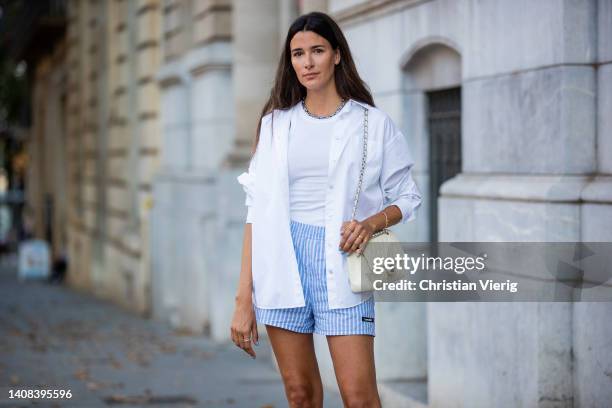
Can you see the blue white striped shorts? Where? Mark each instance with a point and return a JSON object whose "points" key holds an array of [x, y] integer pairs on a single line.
{"points": [[316, 316]]}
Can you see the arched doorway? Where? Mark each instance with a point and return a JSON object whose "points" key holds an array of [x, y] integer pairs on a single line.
{"points": [[432, 83]]}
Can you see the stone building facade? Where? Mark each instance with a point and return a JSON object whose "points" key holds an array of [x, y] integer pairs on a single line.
{"points": [[504, 103], [95, 145], [112, 145]]}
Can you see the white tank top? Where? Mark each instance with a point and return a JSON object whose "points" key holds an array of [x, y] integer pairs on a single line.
{"points": [[308, 162]]}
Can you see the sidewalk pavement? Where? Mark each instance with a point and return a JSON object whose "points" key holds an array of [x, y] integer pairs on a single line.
{"points": [[54, 338]]}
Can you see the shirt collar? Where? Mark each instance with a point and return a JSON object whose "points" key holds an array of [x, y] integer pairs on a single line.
{"points": [[358, 103], [352, 105]]}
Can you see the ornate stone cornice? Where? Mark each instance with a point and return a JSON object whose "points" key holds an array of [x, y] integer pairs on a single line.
{"points": [[373, 8]]}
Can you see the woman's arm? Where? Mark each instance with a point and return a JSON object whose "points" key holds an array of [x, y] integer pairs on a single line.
{"points": [[397, 184], [244, 324], [244, 293], [401, 196]]}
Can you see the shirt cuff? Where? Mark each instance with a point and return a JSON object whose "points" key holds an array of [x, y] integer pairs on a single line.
{"points": [[247, 181], [407, 205]]}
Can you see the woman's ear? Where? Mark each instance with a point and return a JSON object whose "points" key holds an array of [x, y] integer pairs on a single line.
{"points": [[337, 57]]}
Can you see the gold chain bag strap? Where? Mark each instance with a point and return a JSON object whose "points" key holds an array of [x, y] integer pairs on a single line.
{"points": [[386, 242]]}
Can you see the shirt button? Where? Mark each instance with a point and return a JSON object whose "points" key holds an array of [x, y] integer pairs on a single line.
{"points": [[331, 186], [331, 272]]}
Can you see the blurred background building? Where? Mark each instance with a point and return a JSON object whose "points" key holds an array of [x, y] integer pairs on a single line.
{"points": [[138, 115]]}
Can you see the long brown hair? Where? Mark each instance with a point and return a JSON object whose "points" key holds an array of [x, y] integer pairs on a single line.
{"points": [[287, 89]]}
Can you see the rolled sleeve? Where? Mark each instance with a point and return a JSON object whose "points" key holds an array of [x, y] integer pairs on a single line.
{"points": [[396, 180], [247, 180]]}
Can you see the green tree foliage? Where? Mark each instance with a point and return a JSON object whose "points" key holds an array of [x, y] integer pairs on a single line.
{"points": [[13, 90]]}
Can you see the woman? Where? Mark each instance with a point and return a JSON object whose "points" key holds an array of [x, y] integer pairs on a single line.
{"points": [[300, 190]]}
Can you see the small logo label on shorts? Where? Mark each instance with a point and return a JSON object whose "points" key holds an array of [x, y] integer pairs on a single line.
{"points": [[367, 319]]}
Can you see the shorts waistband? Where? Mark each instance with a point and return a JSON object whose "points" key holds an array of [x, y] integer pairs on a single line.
{"points": [[307, 230]]}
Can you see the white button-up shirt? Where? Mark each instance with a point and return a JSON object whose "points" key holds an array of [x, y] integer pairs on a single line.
{"points": [[387, 181]]}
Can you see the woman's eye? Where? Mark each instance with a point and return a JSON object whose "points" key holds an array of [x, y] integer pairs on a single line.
{"points": [[316, 51]]}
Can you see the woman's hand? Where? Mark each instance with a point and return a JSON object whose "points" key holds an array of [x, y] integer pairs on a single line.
{"points": [[355, 235], [244, 326]]}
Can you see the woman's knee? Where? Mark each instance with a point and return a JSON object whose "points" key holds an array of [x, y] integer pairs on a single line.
{"points": [[361, 399], [303, 394]]}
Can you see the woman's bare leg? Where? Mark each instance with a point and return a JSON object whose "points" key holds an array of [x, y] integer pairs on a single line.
{"points": [[297, 361], [353, 358]]}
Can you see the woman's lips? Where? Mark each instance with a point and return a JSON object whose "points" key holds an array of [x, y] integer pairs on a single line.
{"points": [[310, 76]]}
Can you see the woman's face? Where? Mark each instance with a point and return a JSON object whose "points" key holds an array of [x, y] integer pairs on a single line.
{"points": [[313, 59]]}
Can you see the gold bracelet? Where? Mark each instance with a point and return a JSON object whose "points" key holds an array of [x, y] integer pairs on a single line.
{"points": [[386, 219]]}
